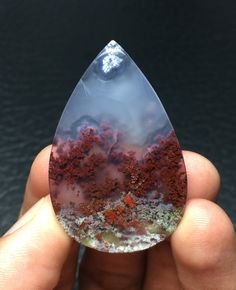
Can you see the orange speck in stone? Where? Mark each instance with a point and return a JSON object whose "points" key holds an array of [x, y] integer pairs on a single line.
{"points": [[120, 209], [99, 237], [110, 216], [133, 223], [140, 231], [83, 226], [129, 201]]}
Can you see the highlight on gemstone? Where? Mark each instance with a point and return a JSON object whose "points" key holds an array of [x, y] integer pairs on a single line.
{"points": [[117, 176]]}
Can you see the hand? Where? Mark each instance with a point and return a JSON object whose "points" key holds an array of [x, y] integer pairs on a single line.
{"points": [[36, 254]]}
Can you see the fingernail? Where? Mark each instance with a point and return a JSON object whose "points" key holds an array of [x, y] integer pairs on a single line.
{"points": [[28, 216]]}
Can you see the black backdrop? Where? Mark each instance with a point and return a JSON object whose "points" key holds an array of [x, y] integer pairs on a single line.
{"points": [[187, 50]]}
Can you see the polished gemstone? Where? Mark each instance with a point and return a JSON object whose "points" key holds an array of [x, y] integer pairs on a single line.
{"points": [[117, 175]]}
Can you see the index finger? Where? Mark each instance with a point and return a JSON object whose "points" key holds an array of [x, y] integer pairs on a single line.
{"points": [[37, 185], [202, 177]]}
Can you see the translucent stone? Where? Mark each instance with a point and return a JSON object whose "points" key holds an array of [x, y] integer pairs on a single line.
{"points": [[117, 175]]}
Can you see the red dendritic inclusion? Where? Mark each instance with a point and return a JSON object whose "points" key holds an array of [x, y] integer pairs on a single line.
{"points": [[114, 196]]}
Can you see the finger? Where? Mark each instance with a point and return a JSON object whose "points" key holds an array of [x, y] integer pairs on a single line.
{"points": [[38, 186], [203, 181], [112, 271], [68, 272], [33, 251], [161, 270], [202, 177], [204, 248]]}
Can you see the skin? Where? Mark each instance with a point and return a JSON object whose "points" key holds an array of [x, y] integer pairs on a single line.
{"points": [[36, 254]]}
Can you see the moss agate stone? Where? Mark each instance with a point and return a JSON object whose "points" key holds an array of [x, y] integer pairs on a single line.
{"points": [[117, 176]]}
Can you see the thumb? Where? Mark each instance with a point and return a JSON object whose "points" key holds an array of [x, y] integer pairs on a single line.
{"points": [[34, 250]]}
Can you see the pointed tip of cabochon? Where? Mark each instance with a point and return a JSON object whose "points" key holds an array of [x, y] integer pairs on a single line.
{"points": [[113, 45], [113, 48]]}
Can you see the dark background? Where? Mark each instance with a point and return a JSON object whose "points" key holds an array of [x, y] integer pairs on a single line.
{"points": [[186, 48]]}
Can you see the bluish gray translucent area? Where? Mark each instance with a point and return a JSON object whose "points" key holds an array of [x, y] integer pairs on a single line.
{"points": [[113, 86]]}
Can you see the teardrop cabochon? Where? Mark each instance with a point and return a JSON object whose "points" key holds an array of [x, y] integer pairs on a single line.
{"points": [[116, 173]]}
